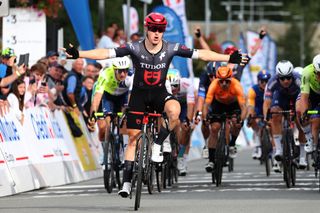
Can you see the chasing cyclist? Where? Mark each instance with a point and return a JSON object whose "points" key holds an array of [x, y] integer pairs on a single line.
{"points": [[310, 99], [281, 94], [183, 90], [112, 88], [151, 58], [225, 95], [255, 108]]}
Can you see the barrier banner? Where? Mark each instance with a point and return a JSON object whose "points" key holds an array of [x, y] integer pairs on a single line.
{"points": [[272, 57], [45, 136], [83, 149]]}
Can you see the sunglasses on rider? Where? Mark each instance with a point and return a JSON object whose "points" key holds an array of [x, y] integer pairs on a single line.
{"points": [[119, 71], [175, 85], [159, 29], [263, 81], [285, 78], [224, 81]]}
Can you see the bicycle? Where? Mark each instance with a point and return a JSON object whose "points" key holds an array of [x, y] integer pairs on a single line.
{"points": [[316, 152], [112, 147], [289, 153], [222, 149], [142, 170], [266, 146]]}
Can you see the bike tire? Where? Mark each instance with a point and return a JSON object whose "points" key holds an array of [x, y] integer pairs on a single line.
{"points": [[141, 141], [219, 158], [265, 149], [286, 159], [151, 178], [158, 177], [108, 173]]}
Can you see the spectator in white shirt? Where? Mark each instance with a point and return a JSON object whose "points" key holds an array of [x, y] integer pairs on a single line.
{"points": [[16, 99], [105, 41]]}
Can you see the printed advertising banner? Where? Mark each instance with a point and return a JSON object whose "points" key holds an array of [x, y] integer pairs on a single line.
{"points": [[24, 30]]}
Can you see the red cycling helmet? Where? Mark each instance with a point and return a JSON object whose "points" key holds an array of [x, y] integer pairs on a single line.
{"points": [[229, 50], [154, 19]]}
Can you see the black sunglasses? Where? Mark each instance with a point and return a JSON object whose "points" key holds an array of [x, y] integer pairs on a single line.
{"points": [[210, 75], [224, 81], [154, 29], [263, 81], [119, 71], [175, 85], [285, 77]]}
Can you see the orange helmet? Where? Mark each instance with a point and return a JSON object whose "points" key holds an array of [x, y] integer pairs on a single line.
{"points": [[224, 73]]}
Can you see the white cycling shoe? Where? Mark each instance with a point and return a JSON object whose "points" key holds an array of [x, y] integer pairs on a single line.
{"points": [[126, 189]]}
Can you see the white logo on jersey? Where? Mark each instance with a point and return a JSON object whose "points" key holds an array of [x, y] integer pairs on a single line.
{"points": [[153, 67], [163, 54], [176, 47]]}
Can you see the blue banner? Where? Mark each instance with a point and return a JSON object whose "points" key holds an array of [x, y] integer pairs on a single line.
{"points": [[80, 16], [174, 33]]}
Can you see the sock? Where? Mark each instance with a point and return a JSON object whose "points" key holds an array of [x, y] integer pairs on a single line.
{"points": [[182, 149], [163, 134], [277, 141], [233, 140], [302, 151], [307, 132], [212, 154], [127, 171]]}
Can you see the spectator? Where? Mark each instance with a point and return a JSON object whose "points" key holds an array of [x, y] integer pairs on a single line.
{"points": [[9, 72], [44, 61], [106, 39], [72, 86], [92, 71], [16, 99], [55, 83], [88, 82], [119, 37], [4, 92], [37, 93], [98, 66], [135, 37], [52, 57]]}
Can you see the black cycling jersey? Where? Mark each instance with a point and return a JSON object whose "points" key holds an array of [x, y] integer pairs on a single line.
{"points": [[151, 69]]}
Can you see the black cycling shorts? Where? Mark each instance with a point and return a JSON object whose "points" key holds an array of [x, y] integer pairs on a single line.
{"points": [[140, 99], [220, 108]]}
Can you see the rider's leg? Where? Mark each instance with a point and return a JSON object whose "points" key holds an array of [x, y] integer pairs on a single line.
{"points": [[172, 110], [276, 125], [129, 162], [212, 144], [256, 154], [315, 123]]}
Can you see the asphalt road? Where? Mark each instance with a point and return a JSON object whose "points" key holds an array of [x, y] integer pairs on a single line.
{"points": [[247, 189]]}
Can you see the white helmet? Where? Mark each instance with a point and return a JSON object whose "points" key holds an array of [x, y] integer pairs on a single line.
{"points": [[284, 68], [121, 63], [298, 70], [316, 63], [173, 76]]}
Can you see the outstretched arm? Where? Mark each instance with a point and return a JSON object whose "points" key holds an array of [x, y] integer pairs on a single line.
{"points": [[96, 54]]}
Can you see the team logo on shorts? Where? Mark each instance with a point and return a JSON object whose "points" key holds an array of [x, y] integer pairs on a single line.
{"points": [[138, 121], [151, 77]]}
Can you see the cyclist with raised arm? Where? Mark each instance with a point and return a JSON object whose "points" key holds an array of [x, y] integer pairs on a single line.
{"points": [[281, 94], [183, 90], [151, 58], [112, 88], [310, 99], [255, 108], [225, 95]]}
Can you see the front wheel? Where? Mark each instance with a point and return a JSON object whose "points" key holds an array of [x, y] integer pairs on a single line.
{"points": [[108, 173]]}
